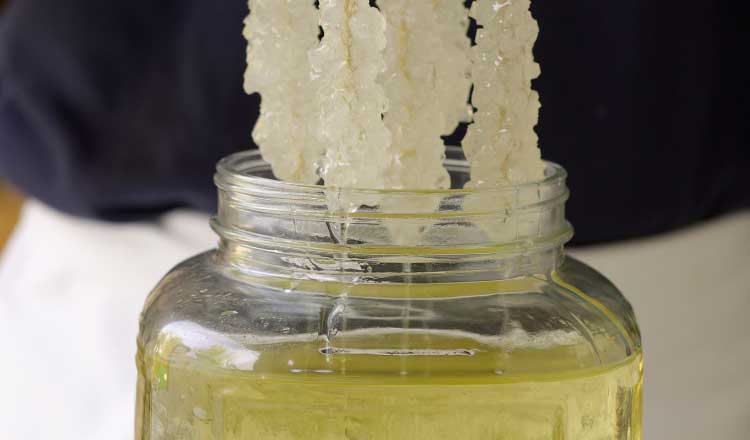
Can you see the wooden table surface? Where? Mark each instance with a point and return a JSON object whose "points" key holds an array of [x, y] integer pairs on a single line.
{"points": [[10, 206], [10, 203]]}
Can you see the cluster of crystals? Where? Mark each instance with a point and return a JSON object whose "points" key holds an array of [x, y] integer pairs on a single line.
{"points": [[280, 34], [350, 101], [366, 106], [501, 145], [453, 62], [426, 87]]}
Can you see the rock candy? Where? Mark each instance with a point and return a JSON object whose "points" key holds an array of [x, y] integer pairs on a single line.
{"points": [[501, 145], [366, 106], [350, 102], [427, 88], [280, 34]]}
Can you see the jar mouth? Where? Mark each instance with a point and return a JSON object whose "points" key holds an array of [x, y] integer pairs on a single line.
{"points": [[248, 169], [250, 196], [317, 231]]}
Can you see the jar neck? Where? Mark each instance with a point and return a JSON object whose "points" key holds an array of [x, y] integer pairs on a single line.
{"points": [[305, 232], [346, 265]]}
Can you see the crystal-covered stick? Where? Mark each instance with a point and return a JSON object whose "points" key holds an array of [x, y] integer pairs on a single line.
{"points": [[280, 34], [501, 145], [350, 101], [427, 86]]}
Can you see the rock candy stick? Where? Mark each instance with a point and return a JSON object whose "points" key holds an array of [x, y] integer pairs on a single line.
{"points": [[501, 145], [453, 62], [426, 83], [415, 115], [280, 34], [351, 103]]}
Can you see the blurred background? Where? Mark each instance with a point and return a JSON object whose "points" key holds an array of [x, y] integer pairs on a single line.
{"points": [[10, 201], [113, 115]]}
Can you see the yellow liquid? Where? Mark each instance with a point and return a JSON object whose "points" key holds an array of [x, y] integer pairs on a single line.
{"points": [[188, 397]]}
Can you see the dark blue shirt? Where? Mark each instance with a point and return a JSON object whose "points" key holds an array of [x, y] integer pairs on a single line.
{"points": [[119, 109]]}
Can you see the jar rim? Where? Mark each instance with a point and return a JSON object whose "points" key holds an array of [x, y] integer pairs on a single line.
{"points": [[237, 171]]}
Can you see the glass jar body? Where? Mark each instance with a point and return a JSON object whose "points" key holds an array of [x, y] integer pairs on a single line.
{"points": [[223, 358], [343, 339]]}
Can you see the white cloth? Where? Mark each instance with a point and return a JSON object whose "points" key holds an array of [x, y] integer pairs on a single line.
{"points": [[70, 295], [71, 291]]}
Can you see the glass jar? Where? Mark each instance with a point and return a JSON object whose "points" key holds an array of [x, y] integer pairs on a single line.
{"points": [[313, 322]]}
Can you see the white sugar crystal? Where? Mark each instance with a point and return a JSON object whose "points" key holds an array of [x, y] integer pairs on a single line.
{"points": [[427, 88], [416, 151], [280, 34], [501, 145], [351, 102], [453, 62]]}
